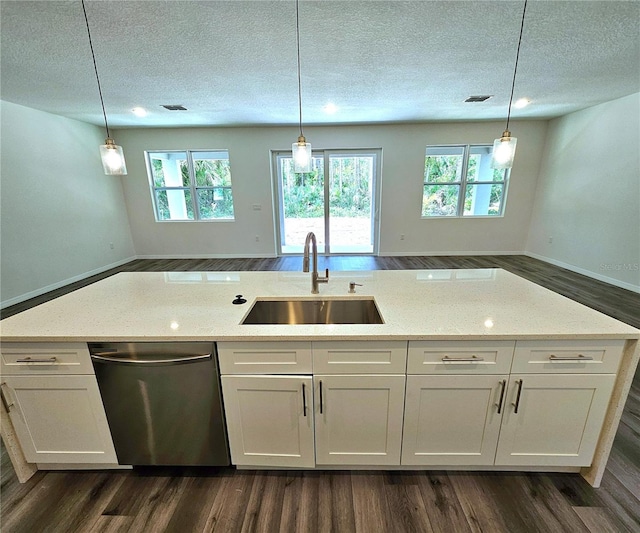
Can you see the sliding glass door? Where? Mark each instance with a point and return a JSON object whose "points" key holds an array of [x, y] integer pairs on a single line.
{"points": [[336, 200]]}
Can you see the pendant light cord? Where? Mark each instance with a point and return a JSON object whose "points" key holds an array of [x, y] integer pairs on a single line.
{"points": [[299, 80], [95, 67], [513, 83]]}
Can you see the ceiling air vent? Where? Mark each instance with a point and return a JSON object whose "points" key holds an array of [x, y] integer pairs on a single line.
{"points": [[175, 107], [481, 98]]}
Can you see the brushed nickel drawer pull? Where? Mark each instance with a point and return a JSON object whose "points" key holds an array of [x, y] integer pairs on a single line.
{"points": [[473, 359], [579, 357], [516, 404], [503, 387], [50, 360], [7, 405]]}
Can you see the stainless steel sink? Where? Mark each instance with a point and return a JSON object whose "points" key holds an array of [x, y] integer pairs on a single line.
{"points": [[314, 312]]}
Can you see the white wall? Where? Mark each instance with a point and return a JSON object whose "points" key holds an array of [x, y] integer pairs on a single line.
{"points": [[58, 211], [588, 197], [403, 149]]}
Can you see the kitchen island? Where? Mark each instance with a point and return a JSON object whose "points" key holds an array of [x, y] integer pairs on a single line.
{"points": [[435, 322]]}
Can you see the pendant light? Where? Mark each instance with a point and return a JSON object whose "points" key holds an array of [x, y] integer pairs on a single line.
{"points": [[504, 148], [111, 154], [302, 149]]}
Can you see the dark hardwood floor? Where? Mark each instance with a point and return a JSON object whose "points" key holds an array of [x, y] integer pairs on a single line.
{"points": [[225, 499]]}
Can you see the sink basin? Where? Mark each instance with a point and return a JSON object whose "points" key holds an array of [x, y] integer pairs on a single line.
{"points": [[314, 312]]}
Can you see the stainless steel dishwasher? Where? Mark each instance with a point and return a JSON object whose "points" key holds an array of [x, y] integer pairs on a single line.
{"points": [[163, 402]]}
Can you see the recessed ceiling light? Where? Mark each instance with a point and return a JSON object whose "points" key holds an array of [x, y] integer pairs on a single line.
{"points": [[139, 111], [330, 108], [479, 98], [522, 102]]}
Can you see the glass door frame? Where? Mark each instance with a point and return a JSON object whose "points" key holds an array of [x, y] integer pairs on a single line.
{"points": [[278, 196]]}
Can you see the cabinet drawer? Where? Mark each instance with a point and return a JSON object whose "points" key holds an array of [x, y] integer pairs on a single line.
{"points": [[566, 357], [289, 357], [459, 357], [355, 357], [31, 358]]}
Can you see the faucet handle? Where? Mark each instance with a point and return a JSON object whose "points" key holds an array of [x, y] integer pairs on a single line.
{"points": [[326, 277]]}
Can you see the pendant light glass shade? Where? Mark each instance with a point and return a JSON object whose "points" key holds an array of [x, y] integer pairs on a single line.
{"points": [[112, 157], [111, 154], [301, 155], [504, 150], [300, 150]]}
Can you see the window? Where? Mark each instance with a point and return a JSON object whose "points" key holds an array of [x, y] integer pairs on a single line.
{"points": [[336, 200], [459, 182], [191, 185]]}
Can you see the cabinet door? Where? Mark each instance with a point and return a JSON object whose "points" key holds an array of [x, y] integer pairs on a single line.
{"points": [[553, 420], [452, 420], [59, 419], [359, 419], [269, 420]]}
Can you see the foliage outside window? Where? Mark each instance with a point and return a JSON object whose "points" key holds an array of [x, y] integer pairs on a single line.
{"points": [[350, 182], [191, 185], [459, 182]]}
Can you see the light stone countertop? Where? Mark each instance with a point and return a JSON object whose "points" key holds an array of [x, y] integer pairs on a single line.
{"points": [[415, 305]]}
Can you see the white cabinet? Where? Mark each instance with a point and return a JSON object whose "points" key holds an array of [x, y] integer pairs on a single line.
{"points": [[357, 412], [452, 420], [359, 357], [460, 357], [548, 414], [567, 357], [269, 420], [358, 419], [51, 395], [273, 357], [59, 419], [435, 404], [553, 420], [36, 358]]}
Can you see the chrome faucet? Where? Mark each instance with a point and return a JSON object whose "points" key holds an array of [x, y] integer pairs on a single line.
{"points": [[315, 279]]}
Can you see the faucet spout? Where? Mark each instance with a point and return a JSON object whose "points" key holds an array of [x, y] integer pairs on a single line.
{"points": [[315, 278]]}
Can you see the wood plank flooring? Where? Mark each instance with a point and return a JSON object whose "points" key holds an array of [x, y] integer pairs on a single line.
{"points": [[230, 500]]}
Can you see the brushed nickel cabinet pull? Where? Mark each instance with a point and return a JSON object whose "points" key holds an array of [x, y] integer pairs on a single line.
{"points": [[7, 406], [579, 357], [503, 387], [320, 397], [473, 359], [50, 360], [516, 404], [304, 400]]}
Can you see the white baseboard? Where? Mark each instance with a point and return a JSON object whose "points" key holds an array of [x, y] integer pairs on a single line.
{"points": [[436, 254], [585, 272], [207, 256], [57, 285]]}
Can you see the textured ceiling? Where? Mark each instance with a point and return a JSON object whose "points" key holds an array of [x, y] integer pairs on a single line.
{"points": [[234, 62]]}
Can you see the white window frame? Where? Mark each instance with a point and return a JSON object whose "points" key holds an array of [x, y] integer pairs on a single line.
{"points": [[464, 182], [193, 188]]}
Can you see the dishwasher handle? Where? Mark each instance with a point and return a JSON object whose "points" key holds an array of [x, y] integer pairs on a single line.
{"points": [[167, 360]]}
